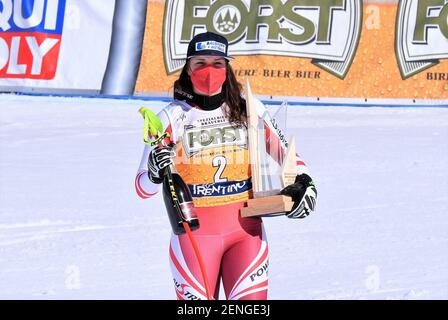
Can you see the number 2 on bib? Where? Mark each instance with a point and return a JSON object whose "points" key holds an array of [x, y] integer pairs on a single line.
{"points": [[219, 162]]}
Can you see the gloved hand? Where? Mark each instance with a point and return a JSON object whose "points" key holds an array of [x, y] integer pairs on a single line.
{"points": [[160, 158], [304, 194]]}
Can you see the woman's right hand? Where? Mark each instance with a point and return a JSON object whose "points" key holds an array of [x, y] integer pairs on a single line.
{"points": [[160, 158]]}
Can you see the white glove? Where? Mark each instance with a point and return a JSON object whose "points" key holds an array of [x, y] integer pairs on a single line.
{"points": [[160, 158], [304, 194]]}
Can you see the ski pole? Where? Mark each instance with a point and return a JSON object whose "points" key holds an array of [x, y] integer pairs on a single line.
{"points": [[193, 242], [154, 125], [200, 260]]}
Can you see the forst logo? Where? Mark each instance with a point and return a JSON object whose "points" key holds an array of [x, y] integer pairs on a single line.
{"points": [[30, 38], [438, 20], [327, 31], [223, 18], [199, 139], [227, 19], [421, 35]]}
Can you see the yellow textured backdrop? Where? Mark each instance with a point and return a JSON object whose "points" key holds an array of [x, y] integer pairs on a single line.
{"points": [[373, 74]]}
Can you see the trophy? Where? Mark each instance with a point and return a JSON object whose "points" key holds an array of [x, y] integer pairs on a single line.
{"points": [[266, 199]]}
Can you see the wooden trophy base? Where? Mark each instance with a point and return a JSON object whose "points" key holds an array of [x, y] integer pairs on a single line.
{"points": [[267, 206]]}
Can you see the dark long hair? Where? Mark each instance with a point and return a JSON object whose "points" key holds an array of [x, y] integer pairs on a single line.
{"points": [[231, 90]]}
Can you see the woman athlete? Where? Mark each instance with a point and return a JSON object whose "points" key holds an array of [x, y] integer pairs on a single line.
{"points": [[208, 135]]}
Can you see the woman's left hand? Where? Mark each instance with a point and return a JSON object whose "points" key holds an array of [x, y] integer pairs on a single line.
{"points": [[304, 194]]}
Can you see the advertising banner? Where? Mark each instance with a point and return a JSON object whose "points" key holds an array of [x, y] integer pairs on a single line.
{"points": [[421, 35], [310, 48], [57, 44]]}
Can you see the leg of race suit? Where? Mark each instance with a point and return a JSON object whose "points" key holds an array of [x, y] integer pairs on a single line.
{"points": [[245, 267], [185, 268]]}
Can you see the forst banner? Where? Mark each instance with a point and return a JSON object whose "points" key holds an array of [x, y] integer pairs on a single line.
{"points": [[57, 44], [315, 48]]}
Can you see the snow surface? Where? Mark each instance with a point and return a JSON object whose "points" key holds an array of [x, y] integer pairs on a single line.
{"points": [[72, 226]]}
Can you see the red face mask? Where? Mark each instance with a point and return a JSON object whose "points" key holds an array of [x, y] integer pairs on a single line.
{"points": [[208, 79]]}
